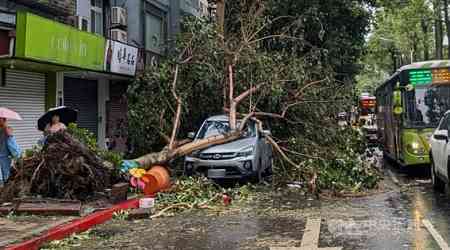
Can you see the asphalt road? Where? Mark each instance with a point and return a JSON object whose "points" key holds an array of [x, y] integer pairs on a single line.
{"points": [[406, 214]]}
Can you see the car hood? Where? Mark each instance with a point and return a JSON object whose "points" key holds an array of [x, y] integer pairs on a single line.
{"points": [[231, 147]]}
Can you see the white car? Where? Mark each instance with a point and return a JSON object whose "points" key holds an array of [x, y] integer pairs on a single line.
{"points": [[250, 156], [440, 152]]}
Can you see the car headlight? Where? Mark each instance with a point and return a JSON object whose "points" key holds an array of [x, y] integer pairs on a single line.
{"points": [[415, 148], [246, 152]]}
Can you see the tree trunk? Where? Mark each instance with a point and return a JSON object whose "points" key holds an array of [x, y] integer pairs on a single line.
{"points": [[394, 59], [438, 29], [447, 24], [414, 48], [426, 47], [220, 12], [164, 156], [232, 101]]}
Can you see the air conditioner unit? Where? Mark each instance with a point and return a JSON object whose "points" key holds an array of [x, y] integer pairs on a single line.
{"points": [[82, 23], [119, 35], [118, 16]]}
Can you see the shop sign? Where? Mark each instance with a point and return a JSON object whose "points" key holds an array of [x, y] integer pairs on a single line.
{"points": [[45, 40], [121, 58]]}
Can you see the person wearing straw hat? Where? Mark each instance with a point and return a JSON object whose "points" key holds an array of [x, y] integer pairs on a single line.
{"points": [[8, 146]]}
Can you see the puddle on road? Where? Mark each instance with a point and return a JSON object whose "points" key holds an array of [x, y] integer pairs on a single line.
{"points": [[391, 220]]}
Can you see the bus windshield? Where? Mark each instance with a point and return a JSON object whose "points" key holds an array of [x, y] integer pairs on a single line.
{"points": [[426, 104]]}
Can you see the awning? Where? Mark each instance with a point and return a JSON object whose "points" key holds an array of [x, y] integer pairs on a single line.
{"points": [[17, 63], [36, 66]]}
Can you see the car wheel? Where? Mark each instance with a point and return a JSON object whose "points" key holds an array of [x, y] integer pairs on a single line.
{"points": [[438, 184], [188, 171]]}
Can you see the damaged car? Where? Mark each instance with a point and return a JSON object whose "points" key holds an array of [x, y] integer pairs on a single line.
{"points": [[248, 157]]}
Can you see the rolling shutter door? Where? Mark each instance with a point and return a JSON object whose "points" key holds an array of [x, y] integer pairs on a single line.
{"points": [[117, 123], [81, 95], [24, 93]]}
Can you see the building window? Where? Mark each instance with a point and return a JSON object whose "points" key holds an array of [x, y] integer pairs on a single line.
{"points": [[84, 24], [97, 16], [154, 33]]}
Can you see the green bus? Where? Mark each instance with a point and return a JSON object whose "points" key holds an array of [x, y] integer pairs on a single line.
{"points": [[409, 106]]}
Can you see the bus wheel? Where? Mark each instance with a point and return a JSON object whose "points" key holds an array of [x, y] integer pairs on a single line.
{"points": [[438, 184]]}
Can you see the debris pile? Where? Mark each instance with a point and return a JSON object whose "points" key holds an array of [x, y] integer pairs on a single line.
{"points": [[64, 168], [198, 193]]}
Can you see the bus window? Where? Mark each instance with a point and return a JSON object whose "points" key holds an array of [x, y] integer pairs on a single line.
{"points": [[425, 105]]}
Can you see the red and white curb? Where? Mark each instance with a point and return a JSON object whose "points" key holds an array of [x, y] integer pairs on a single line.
{"points": [[75, 226]]}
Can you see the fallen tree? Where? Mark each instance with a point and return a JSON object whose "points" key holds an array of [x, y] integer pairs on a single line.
{"points": [[192, 54], [244, 67]]}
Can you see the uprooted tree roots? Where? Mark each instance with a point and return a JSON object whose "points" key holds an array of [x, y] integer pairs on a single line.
{"points": [[64, 169]]}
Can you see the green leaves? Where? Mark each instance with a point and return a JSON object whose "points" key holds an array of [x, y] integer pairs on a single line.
{"points": [[306, 54], [402, 32]]}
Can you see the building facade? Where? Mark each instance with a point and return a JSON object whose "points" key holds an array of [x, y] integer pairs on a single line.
{"points": [[152, 26], [81, 54], [52, 54], [26, 85]]}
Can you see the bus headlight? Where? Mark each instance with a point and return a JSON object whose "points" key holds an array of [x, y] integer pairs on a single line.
{"points": [[415, 148]]}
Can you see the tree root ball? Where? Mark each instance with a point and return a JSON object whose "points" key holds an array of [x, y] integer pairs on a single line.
{"points": [[64, 168]]}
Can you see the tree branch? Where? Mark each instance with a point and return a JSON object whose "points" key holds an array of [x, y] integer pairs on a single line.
{"points": [[274, 36], [245, 94], [300, 92], [280, 151], [176, 122], [233, 104]]}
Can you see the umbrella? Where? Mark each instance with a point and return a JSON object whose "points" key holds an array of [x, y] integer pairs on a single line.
{"points": [[9, 114], [66, 115]]}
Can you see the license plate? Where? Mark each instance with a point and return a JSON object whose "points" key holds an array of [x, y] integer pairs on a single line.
{"points": [[216, 173]]}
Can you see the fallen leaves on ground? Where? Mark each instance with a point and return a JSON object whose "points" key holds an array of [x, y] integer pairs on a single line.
{"points": [[198, 193]]}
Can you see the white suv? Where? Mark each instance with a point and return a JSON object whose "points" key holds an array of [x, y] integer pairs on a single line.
{"points": [[250, 156], [440, 152]]}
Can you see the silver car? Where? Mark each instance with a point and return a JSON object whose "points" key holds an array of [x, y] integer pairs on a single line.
{"points": [[250, 156]]}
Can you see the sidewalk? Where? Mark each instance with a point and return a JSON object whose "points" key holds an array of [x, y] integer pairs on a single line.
{"points": [[19, 228]]}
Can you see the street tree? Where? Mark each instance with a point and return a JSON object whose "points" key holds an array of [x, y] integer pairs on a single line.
{"points": [[269, 64]]}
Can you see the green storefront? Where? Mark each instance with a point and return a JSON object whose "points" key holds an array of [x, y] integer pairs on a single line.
{"points": [[32, 78]]}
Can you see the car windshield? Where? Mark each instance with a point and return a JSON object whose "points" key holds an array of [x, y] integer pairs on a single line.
{"points": [[427, 104], [212, 128]]}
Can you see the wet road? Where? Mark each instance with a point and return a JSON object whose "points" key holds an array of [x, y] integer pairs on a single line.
{"points": [[390, 219]]}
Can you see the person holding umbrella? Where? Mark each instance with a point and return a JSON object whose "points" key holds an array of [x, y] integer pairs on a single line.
{"points": [[55, 120], [54, 126], [8, 145]]}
